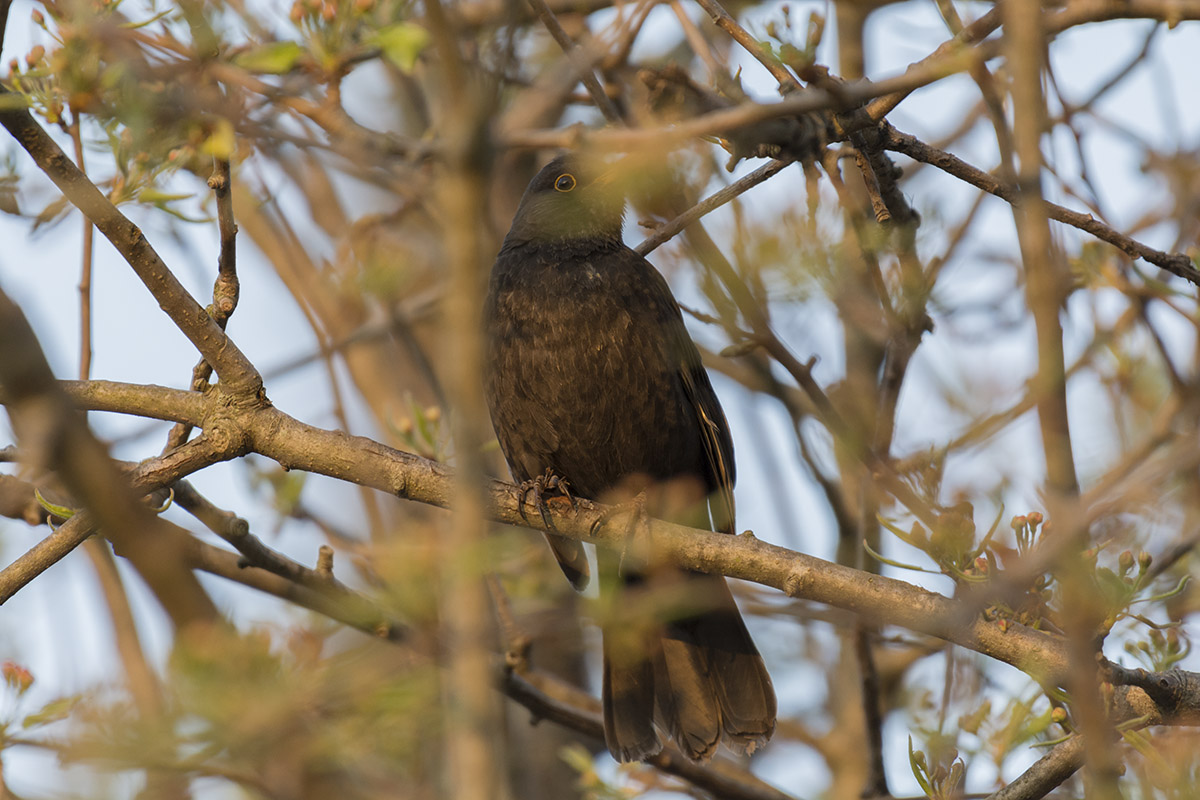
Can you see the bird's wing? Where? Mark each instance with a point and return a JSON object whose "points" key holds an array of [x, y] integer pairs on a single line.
{"points": [[714, 430]]}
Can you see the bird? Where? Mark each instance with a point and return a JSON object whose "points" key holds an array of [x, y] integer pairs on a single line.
{"points": [[596, 390]]}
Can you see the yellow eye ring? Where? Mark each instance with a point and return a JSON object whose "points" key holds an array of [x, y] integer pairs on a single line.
{"points": [[564, 182]]}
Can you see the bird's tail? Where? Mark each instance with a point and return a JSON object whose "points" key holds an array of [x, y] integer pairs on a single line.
{"points": [[699, 676]]}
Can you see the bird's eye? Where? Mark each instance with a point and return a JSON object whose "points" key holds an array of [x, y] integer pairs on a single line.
{"points": [[564, 182]]}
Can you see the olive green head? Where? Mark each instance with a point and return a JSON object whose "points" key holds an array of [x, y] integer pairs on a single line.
{"points": [[570, 198]]}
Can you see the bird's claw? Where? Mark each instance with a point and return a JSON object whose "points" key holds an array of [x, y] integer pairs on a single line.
{"points": [[546, 483]]}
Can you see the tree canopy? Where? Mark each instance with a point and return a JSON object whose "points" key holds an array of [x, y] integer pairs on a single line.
{"points": [[941, 262]]}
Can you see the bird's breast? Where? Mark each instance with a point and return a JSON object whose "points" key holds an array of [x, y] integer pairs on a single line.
{"points": [[585, 358]]}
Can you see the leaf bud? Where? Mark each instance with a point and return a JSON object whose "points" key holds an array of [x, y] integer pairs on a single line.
{"points": [[957, 771], [16, 676]]}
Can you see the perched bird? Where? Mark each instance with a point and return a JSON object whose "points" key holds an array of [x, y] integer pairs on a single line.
{"points": [[593, 381]]}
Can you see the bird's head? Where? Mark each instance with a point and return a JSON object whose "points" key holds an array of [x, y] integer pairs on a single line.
{"points": [[571, 198]]}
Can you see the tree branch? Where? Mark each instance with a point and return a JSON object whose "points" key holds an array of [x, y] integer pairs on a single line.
{"points": [[296, 445], [188, 315], [54, 436], [709, 204], [1046, 774], [1176, 263], [226, 287]]}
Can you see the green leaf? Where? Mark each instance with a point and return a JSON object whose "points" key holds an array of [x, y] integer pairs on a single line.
{"points": [[916, 760], [288, 488], [274, 58], [132, 26], [221, 142], [1115, 591], [62, 512], [152, 195], [898, 564], [1035, 726], [53, 711], [1167, 595], [402, 44]]}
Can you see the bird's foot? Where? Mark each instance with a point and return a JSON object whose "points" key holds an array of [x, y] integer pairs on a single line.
{"points": [[638, 525], [544, 484]]}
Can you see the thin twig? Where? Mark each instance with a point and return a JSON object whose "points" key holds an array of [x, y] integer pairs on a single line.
{"points": [[708, 204], [1046, 774], [231, 364], [254, 553], [226, 287], [696, 40], [875, 781], [787, 81], [627, 34], [1176, 263], [85, 267], [236, 531], [43, 555], [355, 610], [936, 63], [586, 74]]}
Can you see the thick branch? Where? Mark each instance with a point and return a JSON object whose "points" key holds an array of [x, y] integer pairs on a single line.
{"points": [[154, 402], [886, 601]]}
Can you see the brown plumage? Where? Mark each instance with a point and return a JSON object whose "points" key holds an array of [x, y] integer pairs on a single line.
{"points": [[591, 374]]}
